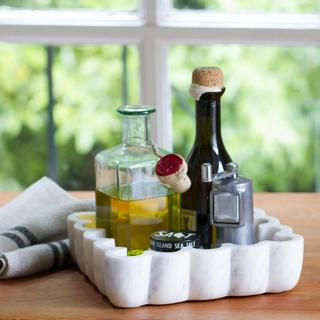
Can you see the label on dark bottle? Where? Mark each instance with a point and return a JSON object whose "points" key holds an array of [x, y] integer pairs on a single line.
{"points": [[188, 220]]}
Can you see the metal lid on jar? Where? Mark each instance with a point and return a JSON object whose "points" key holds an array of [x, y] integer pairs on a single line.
{"points": [[167, 241]]}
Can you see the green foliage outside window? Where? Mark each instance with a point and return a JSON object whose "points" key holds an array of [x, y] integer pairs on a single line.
{"points": [[298, 6], [87, 87], [270, 110], [89, 4]]}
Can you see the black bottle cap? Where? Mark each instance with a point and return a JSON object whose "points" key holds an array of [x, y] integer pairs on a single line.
{"points": [[167, 241]]}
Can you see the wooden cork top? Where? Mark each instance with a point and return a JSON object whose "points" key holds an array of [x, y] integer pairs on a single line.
{"points": [[208, 77]]}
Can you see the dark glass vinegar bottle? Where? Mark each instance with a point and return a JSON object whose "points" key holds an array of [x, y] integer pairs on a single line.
{"points": [[208, 147]]}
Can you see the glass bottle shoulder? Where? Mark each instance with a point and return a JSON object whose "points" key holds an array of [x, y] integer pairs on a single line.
{"points": [[127, 156], [127, 172]]}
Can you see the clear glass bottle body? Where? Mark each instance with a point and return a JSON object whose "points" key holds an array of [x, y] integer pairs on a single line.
{"points": [[131, 203]]}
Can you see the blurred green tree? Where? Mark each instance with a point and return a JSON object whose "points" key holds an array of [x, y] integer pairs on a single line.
{"points": [[88, 87]]}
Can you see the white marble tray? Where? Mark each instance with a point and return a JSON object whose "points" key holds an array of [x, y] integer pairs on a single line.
{"points": [[273, 264]]}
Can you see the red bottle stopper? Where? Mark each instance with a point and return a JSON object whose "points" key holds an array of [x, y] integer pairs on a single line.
{"points": [[171, 170], [169, 164]]}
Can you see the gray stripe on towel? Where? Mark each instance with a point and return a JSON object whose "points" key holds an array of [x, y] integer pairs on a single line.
{"points": [[15, 238], [56, 255], [28, 234], [66, 252]]}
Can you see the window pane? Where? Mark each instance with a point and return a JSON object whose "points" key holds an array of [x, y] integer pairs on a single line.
{"points": [[89, 82], [270, 110], [123, 5], [250, 5]]}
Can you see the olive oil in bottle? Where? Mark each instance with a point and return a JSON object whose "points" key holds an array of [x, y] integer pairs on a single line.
{"points": [[131, 222]]}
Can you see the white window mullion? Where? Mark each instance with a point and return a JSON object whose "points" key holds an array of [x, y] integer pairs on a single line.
{"points": [[153, 12], [70, 35], [205, 27], [155, 88], [69, 26], [155, 82]]}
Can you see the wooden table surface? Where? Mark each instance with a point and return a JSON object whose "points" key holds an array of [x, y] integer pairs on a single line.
{"points": [[67, 294]]}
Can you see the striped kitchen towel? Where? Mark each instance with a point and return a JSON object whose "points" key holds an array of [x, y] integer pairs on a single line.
{"points": [[34, 259], [30, 226]]}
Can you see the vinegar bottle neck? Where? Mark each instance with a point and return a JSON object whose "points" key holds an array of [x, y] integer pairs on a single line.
{"points": [[208, 123]]}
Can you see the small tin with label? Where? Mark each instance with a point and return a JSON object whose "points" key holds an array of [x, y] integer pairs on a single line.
{"points": [[167, 241]]}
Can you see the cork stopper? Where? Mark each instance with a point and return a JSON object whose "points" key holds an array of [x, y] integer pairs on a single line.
{"points": [[172, 170], [208, 77]]}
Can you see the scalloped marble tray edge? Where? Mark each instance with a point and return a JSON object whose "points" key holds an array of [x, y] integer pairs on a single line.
{"points": [[272, 264]]}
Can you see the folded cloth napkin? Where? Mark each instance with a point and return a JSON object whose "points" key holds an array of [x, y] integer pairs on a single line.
{"points": [[37, 216], [38, 258]]}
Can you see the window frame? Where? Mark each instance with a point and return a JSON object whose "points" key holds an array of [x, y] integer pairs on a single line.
{"points": [[154, 28]]}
